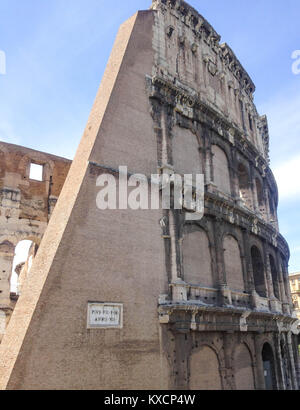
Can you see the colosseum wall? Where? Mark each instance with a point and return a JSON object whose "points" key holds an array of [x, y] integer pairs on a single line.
{"points": [[26, 205]]}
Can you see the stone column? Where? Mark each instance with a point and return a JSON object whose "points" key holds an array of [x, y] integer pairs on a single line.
{"points": [[208, 166], [6, 264], [224, 291], [266, 195], [228, 371], [286, 283], [260, 378], [254, 201], [235, 177], [292, 361], [268, 272], [180, 370], [296, 356], [285, 303], [281, 381], [249, 270]]}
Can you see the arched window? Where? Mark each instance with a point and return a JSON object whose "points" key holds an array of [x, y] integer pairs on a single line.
{"points": [[244, 379], [221, 170], [233, 264], [197, 258], [275, 280], [269, 367], [244, 186], [258, 272], [205, 370]]}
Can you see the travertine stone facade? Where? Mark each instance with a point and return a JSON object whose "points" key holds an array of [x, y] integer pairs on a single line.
{"points": [[207, 303], [25, 207], [295, 289]]}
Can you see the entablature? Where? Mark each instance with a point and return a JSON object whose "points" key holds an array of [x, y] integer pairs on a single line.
{"points": [[189, 316]]}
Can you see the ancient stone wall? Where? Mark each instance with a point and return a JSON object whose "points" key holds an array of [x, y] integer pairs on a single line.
{"points": [[26, 205]]}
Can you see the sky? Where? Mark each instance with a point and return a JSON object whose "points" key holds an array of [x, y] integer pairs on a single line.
{"points": [[56, 52]]}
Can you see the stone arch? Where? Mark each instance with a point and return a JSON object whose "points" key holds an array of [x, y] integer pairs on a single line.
{"points": [[267, 357], [25, 252], [185, 151], [258, 271], [205, 369], [221, 174], [233, 263], [196, 255], [33, 237], [243, 364], [245, 186]]}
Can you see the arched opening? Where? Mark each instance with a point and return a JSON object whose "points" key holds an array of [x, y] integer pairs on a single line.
{"points": [[233, 264], [275, 280], [196, 258], [244, 379], [244, 186], [258, 272], [269, 367], [25, 252], [221, 170], [205, 370]]}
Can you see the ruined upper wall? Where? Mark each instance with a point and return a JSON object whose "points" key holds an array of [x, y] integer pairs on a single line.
{"points": [[189, 54], [32, 199]]}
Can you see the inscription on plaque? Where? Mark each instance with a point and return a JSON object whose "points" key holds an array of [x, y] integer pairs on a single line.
{"points": [[105, 316]]}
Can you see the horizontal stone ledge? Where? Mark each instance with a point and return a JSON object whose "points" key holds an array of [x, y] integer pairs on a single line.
{"points": [[196, 308]]}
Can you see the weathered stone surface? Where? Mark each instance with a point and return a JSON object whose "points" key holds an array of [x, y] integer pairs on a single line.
{"points": [[25, 205]]}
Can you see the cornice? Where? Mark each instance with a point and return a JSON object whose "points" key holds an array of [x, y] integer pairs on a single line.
{"points": [[204, 30]]}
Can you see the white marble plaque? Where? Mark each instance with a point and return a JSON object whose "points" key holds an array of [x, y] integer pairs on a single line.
{"points": [[105, 316]]}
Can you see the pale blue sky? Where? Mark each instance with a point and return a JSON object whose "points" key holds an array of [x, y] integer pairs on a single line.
{"points": [[57, 51]]}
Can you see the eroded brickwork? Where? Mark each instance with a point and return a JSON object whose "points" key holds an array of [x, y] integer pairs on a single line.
{"points": [[25, 206]]}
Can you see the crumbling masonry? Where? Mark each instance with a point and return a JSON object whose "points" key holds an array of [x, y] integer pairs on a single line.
{"points": [[25, 208], [206, 303]]}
